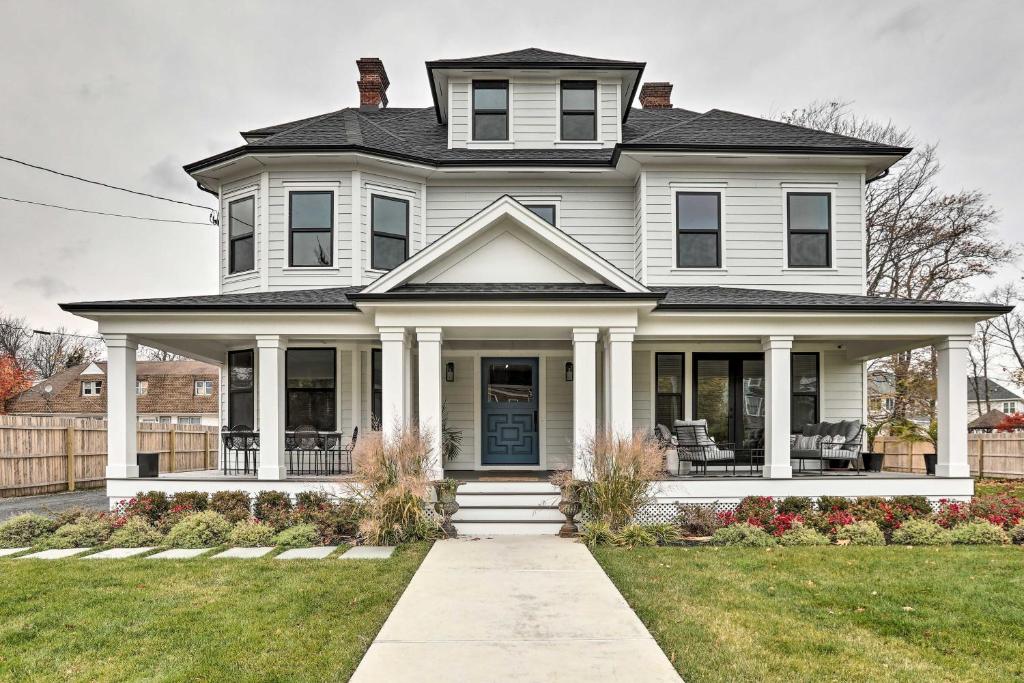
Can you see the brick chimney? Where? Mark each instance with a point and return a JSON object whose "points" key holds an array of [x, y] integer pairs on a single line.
{"points": [[373, 83], [656, 95]]}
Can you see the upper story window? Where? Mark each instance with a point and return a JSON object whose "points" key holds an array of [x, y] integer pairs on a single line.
{"points": [[389, 224], [204, 387], [141, 387], [92, 387], [311, 229], [546, 211], [809, 229], [490, 110], [241, 235], [698, 229], [579, 110]]}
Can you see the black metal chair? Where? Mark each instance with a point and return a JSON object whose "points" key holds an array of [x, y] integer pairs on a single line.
{"points": [[848, 450], [240, 439], [303, 445], [695, 446]]}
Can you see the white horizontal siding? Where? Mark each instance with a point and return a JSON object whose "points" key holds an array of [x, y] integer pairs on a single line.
{"points": [[558, 427], [842, 387], [459, 398], [609, 112]]}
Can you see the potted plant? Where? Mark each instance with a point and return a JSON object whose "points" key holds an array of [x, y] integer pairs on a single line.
{"points": [[873, 460], [569, 504], [446, 491], [911, 433]]}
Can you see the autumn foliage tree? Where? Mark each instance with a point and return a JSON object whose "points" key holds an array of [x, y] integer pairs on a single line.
{"points": [[1011, 423], [14, 379]]}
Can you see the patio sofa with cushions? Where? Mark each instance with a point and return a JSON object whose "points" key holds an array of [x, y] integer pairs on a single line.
{"points": [[829, 441]]}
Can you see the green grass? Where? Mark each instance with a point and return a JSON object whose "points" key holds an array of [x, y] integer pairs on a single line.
{"points": [[832, 613], [194, 620], [1003, 487]]}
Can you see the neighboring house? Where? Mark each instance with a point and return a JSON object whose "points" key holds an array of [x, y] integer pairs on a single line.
{"points": [[169, 392], [985, 394], [545, 260]]}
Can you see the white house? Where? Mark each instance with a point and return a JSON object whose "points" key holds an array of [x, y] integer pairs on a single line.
{"points": [[544, 260], [984, 394]]}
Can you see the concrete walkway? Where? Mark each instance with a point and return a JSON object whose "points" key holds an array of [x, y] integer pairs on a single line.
{"points": [[513, 608]]}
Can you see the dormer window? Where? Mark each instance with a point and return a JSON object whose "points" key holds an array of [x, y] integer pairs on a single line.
{"points": [[579, 110], [241, 235], [490, 110]]}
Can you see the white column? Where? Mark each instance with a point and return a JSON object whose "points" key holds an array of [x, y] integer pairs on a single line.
{"points": [[584, 394], [271, 406], [392, 358], [620, 393], [429, 341], [952, 407], [122, 422], [777, 396]]}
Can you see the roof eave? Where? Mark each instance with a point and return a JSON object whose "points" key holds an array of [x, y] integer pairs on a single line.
{"points": [[840, 308], [89, 308]]}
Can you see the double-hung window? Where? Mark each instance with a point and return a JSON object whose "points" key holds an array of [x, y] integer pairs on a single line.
{"points": [[579, 110], [490, 110], [242, 235], [668, 401], [389, 221], [698, 229], [310, 380], [141, 387], [311, 229], [92, 387], [809, 229], [204, 387], [241, 375], [804, 389]]}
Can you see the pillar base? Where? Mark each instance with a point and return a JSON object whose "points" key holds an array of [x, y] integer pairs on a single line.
{"points": [[777, 472], [271, 473], [122, 472], [952, 470]]}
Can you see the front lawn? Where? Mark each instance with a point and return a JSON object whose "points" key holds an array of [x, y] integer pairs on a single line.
{"points": [[830, 614], [203, 619], [1003, 487]]}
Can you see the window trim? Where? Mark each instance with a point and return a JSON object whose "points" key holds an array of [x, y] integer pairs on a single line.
{"points": [[562, 111], [829, 193], [373, 233], [334, 378], [793, 393], [507, 111], [252, 235], [229, 392], [541, 200], [141, 387], [97, 388], [682, 385], [197, 382], [719, 250], [332, 231]]}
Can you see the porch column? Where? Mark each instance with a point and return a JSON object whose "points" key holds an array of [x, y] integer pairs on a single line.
{"points": [[393, 369], [584, 395], [429, 341], [776, 402], [951, 446], [271, 404], [122, 421], [620, 380]]}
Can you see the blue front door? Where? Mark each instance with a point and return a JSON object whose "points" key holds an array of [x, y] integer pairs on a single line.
{"points": [[509, 411]]}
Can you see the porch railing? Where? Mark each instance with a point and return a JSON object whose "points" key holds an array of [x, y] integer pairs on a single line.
{"points": [[306, 453]]}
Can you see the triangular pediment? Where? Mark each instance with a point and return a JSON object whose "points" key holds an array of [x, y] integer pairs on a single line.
{"points": [[506, 243], [93, 369]]}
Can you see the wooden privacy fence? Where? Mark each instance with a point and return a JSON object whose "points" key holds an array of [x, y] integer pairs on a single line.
{"points": [[49, 454], [997, 455]]}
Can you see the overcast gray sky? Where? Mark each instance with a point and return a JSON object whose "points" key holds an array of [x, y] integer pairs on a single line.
{"points": [[127, 92]]}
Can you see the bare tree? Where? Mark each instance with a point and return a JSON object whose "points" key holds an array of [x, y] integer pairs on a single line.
{"points": [[149, 353], [60, 349], [1008, 329], [15, 339], [980, 355]]}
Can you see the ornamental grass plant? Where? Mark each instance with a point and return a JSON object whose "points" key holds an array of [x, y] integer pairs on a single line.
{"points": [[618, 477]]}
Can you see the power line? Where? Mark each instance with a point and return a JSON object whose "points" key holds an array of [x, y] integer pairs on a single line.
{"points": [[102, 184], [104, 213]]}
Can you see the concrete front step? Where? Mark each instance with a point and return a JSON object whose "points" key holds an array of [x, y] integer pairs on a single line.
{"points": [[507, 499], [495, 528], [507, 487], [511, 513]]}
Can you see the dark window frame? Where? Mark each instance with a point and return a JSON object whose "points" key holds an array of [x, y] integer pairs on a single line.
{"points": [[251, 235], [682, 384], [793, 393], [717, 232], [541, 205], [502, 112], [232, 422], [288, 391], [292, 229], [376, 389], [563, 112], [388, 235], [790, 231]]}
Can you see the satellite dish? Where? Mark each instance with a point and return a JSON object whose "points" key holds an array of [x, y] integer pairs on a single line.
{"points": [[48, 388]]}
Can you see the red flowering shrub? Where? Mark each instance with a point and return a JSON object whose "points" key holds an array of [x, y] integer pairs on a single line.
{"points": [[152, 505], [952, 513], [756, 510], [1001, 510], [727, 518], [782, 523], [837, 519]]}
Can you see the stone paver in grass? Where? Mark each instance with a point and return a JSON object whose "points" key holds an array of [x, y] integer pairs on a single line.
{"points": [[5, 552], [178, 554], [118, 553], [317, 553], [368, 552], [243, 553], [55, 554]]}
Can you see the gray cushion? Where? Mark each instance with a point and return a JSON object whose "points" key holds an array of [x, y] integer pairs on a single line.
{"points": [[850, 429]]}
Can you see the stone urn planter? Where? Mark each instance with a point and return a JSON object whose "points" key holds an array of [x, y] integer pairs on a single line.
{"points": [[446, 505], [570, 506]]}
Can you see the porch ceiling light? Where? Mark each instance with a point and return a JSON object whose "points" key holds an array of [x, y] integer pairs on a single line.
{"points": [[568, 371], [449, 372]]}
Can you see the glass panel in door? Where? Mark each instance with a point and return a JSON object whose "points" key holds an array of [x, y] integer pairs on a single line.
{"points": [[752, 405], [711, 395]]}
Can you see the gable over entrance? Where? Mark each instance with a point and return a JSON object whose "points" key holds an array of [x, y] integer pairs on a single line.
{"points": [[506, 242]]}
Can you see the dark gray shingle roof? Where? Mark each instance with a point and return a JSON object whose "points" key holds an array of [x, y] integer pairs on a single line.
{"points": [[532, 56], [996, 391], [331, 298]]}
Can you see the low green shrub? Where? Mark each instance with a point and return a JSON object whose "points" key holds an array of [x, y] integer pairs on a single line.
{"points": [[795, 505], [596, 534], [758, 508], [312, 499], [196, 501], [246, 534], [25, 530], [697, 520], [799, 534], [199, 530], [979, 532], [87, 532], [832, 503], [665, 533], [919, 504], [334, 522], [298, 536], [136, 532], [273, 508], [76, 514], [743, 534], [920, 532], [233, 505], [1017, 534], [635, 536], [860, 533]]}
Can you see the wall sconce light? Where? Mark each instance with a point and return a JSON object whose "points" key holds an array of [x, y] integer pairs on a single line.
{"points": [[568, 371], [449, 372]]}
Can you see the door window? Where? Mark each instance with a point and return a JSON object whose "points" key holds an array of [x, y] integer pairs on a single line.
{"points": [[510, 383]]}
